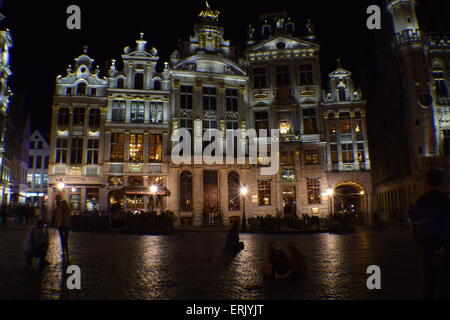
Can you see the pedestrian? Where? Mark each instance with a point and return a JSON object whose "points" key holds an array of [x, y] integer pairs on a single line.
{"points": [[36, 245], [428, 221], [4, 211], [63, 225], [233, 243]]}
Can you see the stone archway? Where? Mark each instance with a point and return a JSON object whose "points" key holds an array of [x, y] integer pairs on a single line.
{"points": [[351, 198]]}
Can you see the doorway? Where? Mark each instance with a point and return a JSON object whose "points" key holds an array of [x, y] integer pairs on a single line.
{"points": [[289, 202], [210, 197]]}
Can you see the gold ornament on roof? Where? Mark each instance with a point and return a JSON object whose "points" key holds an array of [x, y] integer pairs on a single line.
{"points": [[209, 14]]}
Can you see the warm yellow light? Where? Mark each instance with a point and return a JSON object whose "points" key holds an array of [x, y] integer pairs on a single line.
{"points": [[60, 186], [244, 191], [362, 193], [153, 189], [330, 192]]}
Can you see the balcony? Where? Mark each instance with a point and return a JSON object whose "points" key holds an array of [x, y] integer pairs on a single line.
{"points": [[115, 168], [157, 168], [408, 36], [91, 171], [60, 169]]}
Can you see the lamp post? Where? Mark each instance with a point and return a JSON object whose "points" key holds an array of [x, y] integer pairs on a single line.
{"points": [[60, 186], [153, 191], [244, 191]]}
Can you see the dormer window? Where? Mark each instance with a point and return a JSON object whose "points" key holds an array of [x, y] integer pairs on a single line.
{"points": [[139, 81], [157, 85], [81, 89], [342, 94], [120, 84]]}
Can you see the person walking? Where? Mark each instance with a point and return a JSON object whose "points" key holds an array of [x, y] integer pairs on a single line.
{"points": [[428, 220], [63, 225]]}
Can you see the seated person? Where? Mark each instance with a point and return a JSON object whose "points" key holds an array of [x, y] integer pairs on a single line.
{"points": [[296, 259], [36, 245], [233, 239]]}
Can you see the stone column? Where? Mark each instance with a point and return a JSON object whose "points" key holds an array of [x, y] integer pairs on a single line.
{"points": [[223, 193], [197, 196]]}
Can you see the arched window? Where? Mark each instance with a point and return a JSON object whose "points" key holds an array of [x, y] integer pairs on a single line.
{"points": [[186, 191], [81, 89], [120, 84], [139, 81], [157, 84], [233, 191]]}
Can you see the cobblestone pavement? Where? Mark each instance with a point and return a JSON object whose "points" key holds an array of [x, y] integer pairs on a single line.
{"points": [[192, 265]]}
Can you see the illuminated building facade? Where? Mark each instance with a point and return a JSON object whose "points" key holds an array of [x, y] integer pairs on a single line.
{"points": [[5, 94], [37, 174], [276, 85], [423, 142]]}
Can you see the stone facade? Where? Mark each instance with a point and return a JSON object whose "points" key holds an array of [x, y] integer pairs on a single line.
{"points": [[323, 145]]}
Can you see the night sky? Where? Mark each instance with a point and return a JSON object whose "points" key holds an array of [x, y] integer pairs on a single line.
{"points": [[44, 47]]}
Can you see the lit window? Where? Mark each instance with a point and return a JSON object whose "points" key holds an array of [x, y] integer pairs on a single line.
{"points": [[285, 127], [311, 157], [313, 187], [117, 147], [136, 147], [264, 193], [155, 150], [347, 153], [288, 175]]}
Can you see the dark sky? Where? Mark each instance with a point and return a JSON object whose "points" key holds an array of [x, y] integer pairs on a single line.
{"points": [[43, 46]]}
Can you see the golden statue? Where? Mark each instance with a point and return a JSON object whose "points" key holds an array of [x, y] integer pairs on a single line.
{"points": [[208, 13]]}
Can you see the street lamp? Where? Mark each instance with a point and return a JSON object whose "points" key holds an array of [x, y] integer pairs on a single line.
{"points": [[60, 186], [330, 193], [244, 191], [153, 191]]}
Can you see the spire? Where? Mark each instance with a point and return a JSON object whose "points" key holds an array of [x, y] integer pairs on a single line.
{"points": [[338, 63], [85, 49]]}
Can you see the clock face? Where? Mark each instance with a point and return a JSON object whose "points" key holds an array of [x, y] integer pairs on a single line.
{"points": [[425, 100]]}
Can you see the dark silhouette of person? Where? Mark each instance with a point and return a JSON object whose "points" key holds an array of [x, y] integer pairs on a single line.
{"points": [[281, 266], [63, 224], [36, 245], [429, 219], [296, 259], [233, 243]]}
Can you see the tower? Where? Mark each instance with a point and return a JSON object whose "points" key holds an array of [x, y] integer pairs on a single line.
{"points": [[409, 44]]}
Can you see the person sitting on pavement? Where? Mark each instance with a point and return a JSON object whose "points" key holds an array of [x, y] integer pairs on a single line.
{"points": [[36, 245], [233, 243], [297, 259]]}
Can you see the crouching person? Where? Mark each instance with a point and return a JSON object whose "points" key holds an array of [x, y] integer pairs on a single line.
{"points": [[36, 245]]}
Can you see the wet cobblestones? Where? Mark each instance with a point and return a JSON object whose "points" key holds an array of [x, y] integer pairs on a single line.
{"points": [[192, 265]]}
